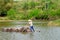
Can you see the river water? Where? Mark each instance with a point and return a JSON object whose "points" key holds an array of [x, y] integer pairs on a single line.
{"points": [[46, 32]]}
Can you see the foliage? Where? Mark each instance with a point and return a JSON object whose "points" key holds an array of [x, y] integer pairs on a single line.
{"points": [[38, 9], [32, 5], [5, 5], [25, 6], [9, 14]]}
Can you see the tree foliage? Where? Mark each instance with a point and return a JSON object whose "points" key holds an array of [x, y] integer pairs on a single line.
{"points": [[36, 9], [5, 5]]}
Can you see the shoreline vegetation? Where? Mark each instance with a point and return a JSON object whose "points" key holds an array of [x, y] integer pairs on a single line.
{"points": [[54, 23], [46, 10], [49, 23]]}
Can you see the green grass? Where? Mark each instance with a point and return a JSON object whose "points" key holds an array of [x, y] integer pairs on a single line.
{"points": [[54, 23]]}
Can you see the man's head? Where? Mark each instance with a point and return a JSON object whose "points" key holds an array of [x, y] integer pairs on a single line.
{"points": [[30, 22]]}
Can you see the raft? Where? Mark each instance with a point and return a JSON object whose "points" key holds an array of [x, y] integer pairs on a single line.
{"points": [[16, 29]]}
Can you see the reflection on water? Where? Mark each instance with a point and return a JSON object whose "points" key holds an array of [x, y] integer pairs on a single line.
{"points": [[46, 32]]}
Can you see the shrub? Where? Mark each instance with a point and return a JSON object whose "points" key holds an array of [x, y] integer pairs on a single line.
{"points": [[11, 14], [43, 15], [33, 13]]}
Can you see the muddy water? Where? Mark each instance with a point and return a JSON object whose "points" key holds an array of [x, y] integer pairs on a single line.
{"points": [[46, 32]]}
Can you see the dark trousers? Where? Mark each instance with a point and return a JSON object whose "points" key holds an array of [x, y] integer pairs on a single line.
{"points": [[31, 28]]}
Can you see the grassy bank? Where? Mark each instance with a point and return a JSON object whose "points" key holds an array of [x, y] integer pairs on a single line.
{"points": [[54, 23]]}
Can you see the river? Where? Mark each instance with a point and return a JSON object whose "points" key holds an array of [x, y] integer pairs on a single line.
{"points": [[46, 32]]}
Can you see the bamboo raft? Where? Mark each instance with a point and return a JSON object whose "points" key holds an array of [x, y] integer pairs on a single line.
{"points": [[16, 29]]}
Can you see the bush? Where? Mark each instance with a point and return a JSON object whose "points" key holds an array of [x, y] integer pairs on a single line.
{"points": [[33, 13], [58, 13], [11, 14], [43, 15], [25, 6]]}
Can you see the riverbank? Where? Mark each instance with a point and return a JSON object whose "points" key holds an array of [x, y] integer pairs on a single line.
{"points": [[54, 23], [49, 23]]}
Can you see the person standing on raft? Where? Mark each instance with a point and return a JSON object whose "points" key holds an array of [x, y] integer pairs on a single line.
{"points": [[31, 25]]}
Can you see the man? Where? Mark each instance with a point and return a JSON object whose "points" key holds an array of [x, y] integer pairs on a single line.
{"points": [[28, 27], [31, 25]]}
